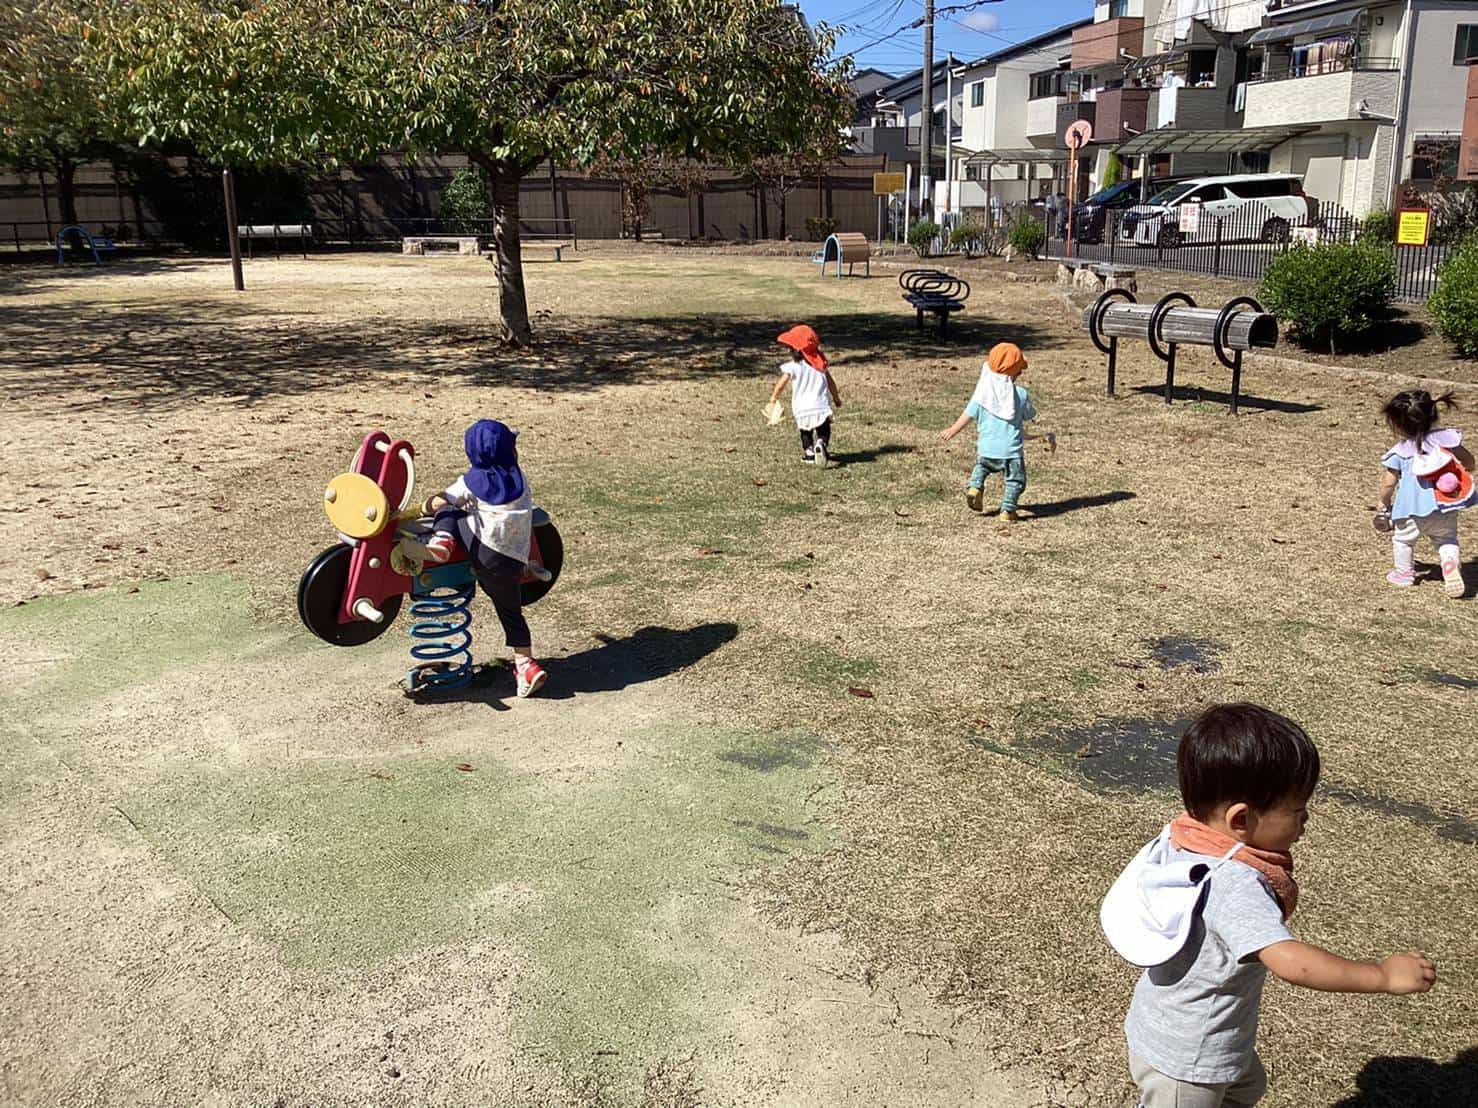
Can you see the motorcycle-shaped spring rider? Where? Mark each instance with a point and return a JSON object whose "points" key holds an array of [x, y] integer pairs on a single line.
{"points": [[351, 593]]}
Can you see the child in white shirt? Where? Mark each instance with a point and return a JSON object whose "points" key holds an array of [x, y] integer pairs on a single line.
{"points": [[814, 397]]}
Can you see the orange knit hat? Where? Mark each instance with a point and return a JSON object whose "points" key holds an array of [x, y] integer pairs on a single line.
{"points": [[1006, 358], [805, 342]]}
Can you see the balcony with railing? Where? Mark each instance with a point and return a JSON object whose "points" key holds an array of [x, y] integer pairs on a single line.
{"points": [[1041, 118], [1121, 111], [1192, 109], [1290, 92]]}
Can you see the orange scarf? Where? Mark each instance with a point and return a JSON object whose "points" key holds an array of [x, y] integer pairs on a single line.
{"points": [[1189, 833]]}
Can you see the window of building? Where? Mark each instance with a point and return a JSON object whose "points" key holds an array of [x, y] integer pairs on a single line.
{"points": [[1465, 45], [938, 117], [972, 172], [1118, 9], [1434, 158], [1051, 82], [977, 94]]}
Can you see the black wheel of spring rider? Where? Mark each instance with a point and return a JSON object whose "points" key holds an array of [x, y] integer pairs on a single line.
{"points": [[1157, 318]]}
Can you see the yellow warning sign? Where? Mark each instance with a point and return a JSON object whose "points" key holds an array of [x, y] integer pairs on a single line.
{"points": [[1413, 225], [886, 184]]}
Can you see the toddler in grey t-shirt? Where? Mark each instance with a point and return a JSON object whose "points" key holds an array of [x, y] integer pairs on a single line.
{"points": [[1204, 908]]}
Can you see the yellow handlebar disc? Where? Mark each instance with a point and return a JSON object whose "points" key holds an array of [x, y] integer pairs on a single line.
{"points": [[356, 506]]}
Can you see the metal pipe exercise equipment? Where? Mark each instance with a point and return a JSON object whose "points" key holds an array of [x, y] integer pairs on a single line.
{"points": [[1174, 320]]}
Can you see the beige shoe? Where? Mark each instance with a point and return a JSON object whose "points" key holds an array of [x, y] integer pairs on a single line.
{"points": [[973, 499], [1452, 581], [1010, 517]]}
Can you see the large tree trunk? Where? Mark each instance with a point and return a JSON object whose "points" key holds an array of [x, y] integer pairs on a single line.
{"points": [[66, 188], [503, 178]]}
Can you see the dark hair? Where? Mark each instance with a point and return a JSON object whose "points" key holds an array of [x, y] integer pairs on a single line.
{"points": [[1244, 753], [1412, 414]]}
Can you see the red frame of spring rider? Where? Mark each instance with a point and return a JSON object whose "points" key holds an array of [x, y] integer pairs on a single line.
{"points": [[370, 575]]}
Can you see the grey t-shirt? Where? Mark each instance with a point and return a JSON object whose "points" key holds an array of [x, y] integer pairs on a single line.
{"points": [[1194, 1017]]}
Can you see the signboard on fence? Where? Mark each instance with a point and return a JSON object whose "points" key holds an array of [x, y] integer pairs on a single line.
{"points": [[1413, 226], [1190, 218], [1308, 236], [886, 184]]}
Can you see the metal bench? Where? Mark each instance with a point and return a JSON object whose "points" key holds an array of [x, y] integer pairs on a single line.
{"points": [[276, 232], [933, 290], [1239, 325], [845, 246], [97, 244]]}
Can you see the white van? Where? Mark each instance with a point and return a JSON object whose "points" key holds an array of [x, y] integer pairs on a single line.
{"points": [[1279, 198]]}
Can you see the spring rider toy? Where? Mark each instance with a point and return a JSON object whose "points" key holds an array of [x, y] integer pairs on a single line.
{"points": [[351, 593]]}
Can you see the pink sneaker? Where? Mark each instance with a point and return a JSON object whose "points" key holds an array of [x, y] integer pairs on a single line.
{"points": [[1452, 580], [439, 547], [531, 676], [1401, 578]]}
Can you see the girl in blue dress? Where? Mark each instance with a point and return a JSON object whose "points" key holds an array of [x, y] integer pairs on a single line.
{"points": [[1428, 478]]}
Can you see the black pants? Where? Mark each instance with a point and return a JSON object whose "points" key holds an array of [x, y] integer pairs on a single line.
{"points": [[499, 576], [821, 434]]}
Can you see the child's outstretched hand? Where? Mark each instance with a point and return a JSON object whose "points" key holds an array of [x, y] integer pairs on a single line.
{"points": [[1407, 973]]}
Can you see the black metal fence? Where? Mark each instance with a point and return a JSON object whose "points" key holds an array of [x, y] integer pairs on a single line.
{"points": [[1241, 242]]}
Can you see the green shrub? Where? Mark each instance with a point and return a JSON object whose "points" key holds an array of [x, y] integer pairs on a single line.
{"points": [[1378, 227], [1113, 171], [1331, 292], [465, 200], [818, 229], [967, 237], [921, 236], [1455, 303], [1026, 237]]}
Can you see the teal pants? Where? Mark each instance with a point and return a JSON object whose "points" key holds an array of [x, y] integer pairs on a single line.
{"points": [[1013, 468]]}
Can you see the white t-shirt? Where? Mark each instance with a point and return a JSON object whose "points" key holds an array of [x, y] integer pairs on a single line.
{"points": [[506, 528], [810, 400]]}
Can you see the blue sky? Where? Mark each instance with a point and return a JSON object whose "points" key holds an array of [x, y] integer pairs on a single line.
{"points": [[968, 33]]}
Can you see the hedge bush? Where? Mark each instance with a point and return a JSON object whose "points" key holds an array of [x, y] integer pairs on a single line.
{"points": [[1026, 237], [967, 237], [464, 201], [1378, 227], [1455, 303], [819, 229], [1332, 292], [921, 236]]}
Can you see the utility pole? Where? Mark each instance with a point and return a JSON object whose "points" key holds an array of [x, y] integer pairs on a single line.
{"points": [[926, 132]]}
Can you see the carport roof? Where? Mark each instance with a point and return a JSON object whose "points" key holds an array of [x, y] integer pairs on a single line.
{"points": [[1031, 154], [1172, 140]]}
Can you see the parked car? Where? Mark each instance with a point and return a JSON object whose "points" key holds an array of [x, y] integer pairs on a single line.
{"points": [[1090, 217], [1270, 202]]}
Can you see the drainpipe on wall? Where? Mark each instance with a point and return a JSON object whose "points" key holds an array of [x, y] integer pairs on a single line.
{"points": [[1403, 94]]}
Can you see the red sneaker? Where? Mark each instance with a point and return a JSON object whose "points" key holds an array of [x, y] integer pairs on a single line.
{"points": [[439, 547], [531, 676]]}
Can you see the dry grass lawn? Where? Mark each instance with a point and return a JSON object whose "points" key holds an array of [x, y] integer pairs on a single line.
{"points": [[1027, 681]]}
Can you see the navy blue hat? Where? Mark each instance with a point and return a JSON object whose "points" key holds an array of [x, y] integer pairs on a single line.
{"points": [[494, 477]]}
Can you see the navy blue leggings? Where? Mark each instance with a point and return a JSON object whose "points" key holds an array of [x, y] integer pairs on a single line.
{"points": [[499, 576]]}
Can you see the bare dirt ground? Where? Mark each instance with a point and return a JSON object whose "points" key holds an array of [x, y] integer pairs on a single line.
{"points": [[703, 870]]}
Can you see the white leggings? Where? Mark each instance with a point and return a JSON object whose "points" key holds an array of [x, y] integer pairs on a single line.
{"points": [[1440, 527]]}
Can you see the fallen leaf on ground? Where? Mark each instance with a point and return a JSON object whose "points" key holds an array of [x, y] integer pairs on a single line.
{"points": [[465, 767], [760, 482], [858, 690]]}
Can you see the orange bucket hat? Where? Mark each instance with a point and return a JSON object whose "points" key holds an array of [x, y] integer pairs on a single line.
{"points": [[1006, 358], [805, 342]]}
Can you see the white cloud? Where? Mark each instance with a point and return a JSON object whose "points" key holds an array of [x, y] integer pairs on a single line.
{"points": [[982, 21]]}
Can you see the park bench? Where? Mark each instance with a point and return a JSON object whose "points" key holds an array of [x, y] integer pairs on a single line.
{"points": [[933, 290], [276, 232], [558, 247], [461, 244], [846, 246], [97, 244]]}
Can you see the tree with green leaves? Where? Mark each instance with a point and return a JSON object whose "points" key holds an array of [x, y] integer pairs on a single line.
{"points": [[1113, 170], [51, 115], [507, 82]]}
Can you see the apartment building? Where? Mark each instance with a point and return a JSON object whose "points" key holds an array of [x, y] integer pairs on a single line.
{"points": [[1379, 89], [890, 115], [1008, 149]]}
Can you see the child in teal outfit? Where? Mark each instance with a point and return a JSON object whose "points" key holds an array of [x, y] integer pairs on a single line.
{"points": [[999, 408]]}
